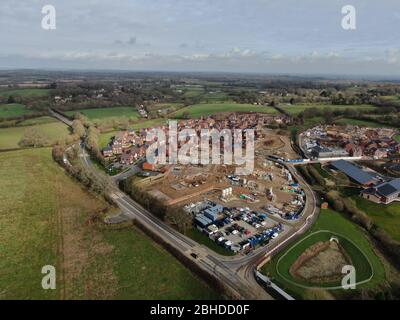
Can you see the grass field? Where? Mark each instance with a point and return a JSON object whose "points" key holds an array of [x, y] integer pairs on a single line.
{"points": [[215, 97], [386, 217], [14, 110], [45, 219], [190, 91], [390, 98], [298, 108], [25, 92], [160, 106], [9, 137], [334, 222], [206, 109], [37, 121], [146, 271], [103, 113], [358, 260]]}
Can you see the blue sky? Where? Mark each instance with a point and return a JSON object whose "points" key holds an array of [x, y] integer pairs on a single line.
{"points": [[280, 36]]}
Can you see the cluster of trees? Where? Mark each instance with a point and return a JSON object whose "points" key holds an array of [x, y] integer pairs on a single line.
{"points": [[347, 206], [78, 128], [10, 99], [391, 118], [85, 129], [179, 219], [15, 121], [244, 96], [303, 170], [58, 153], [92, 143], [144, 198], [37, 103], [115, 123], [77, 170], [329, 115], [33, 137], [313, 172], [85, 95], [176, 217]]}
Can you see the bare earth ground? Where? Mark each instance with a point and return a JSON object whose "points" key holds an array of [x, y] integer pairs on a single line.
{"points": [[185, 184], [321, 265]]}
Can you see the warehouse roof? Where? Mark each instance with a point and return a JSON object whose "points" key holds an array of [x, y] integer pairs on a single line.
{"points": [[354, 172], [388, 188]]}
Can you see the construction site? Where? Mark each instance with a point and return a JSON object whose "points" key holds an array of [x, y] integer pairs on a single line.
{"points": [[232, 209]]}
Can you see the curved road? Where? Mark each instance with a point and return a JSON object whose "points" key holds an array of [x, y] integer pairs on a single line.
{"points": [[235, 273]]}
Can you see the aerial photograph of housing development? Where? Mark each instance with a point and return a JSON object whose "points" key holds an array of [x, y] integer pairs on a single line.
{"points": [[200, 150]]}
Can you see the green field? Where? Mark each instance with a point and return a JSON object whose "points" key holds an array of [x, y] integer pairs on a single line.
{"points": [[146, 271], [390, 98], [46, 219], [160, 106], [358, 260], [14, 110], [206, 109], [298, 108], [25, 93], [9, 137], [215, 97], [191, 91], [350, 236], [384, 216], [103, 113], [37, 121]]}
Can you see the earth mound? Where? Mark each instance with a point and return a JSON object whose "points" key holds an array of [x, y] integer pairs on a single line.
{"points": [[322, 262]]}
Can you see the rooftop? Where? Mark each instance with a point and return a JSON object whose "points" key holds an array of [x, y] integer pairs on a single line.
{"points": [[354, 172], [388, 188]]}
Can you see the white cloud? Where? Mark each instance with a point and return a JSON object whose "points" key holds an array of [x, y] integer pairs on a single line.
{"points": [[234, 35]]}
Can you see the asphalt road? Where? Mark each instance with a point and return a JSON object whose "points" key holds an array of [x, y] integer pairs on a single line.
{"points": [[237, 273]]}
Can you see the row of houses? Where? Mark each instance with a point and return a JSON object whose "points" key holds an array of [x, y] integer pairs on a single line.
{"points": [[129, 146], [385, 192], [142, 111], [353, 141], [375, 188]]}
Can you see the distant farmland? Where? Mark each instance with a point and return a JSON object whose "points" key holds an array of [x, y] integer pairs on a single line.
{"points": [[9, 137], [25, 92], [14, 110], [104, 113], [298, 108], [206, 109]]}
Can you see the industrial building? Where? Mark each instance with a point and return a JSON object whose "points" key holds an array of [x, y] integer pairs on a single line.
{"points": [[325, 152], [355, 173], [385, 192]]}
